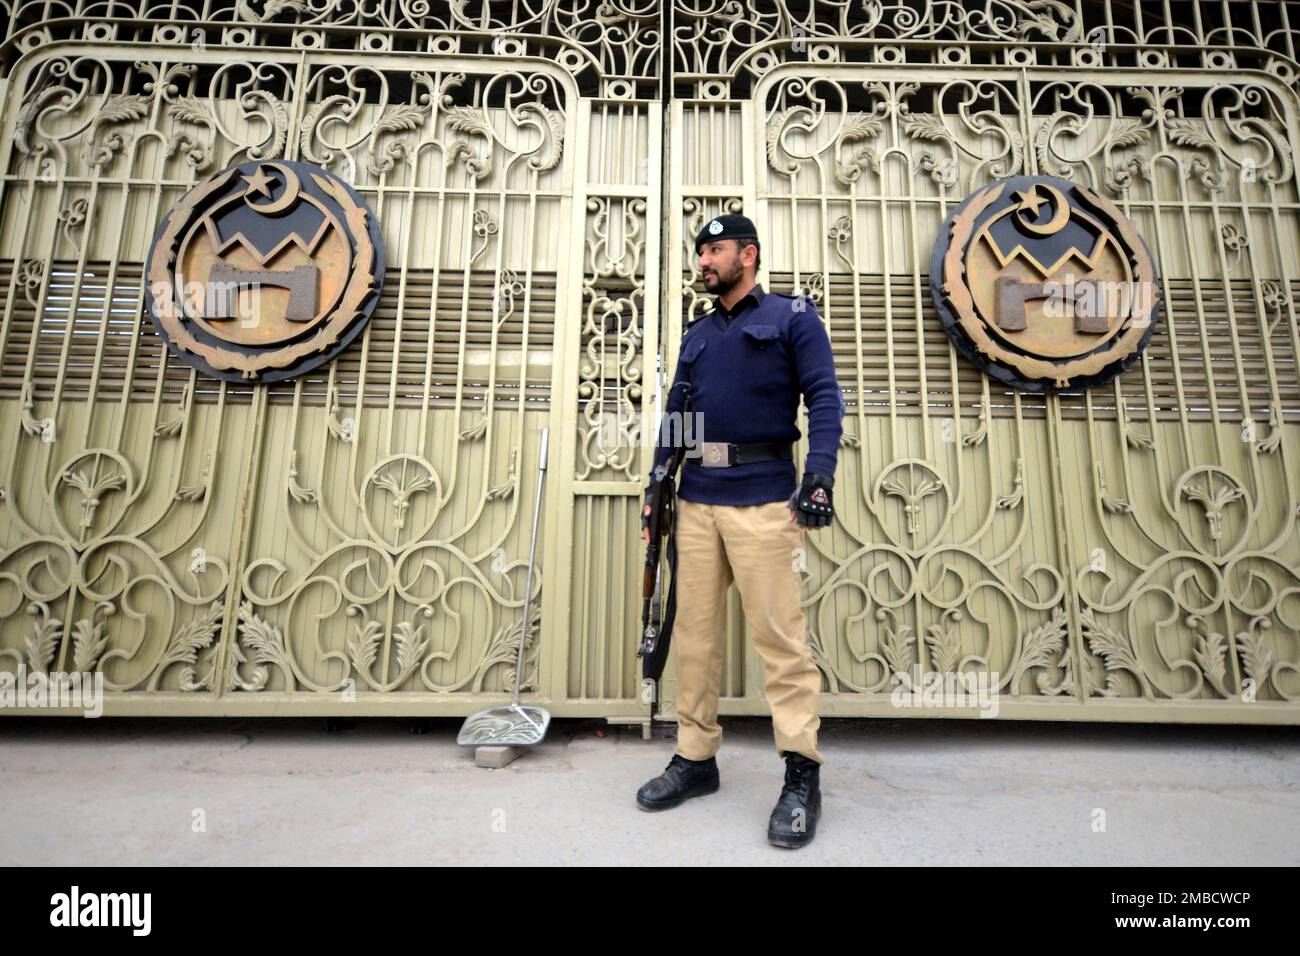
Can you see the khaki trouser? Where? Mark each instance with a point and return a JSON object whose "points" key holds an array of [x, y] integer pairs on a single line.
{"points": [[753, 545]]}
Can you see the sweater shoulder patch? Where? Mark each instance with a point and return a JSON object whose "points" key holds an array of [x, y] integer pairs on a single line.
{"points": [[692, 346], [796, 302]]}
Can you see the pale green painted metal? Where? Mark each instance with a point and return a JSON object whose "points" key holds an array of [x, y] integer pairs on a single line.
{"points": [[354, 542]]}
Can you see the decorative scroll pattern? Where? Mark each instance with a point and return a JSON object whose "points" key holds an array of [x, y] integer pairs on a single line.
{"points": [[721, 47], [1184, 579], [364, 530], [714, 43], [1190, 586], [610, 390], [612, 44], [384, 551], [110, 538], [411, 544]]}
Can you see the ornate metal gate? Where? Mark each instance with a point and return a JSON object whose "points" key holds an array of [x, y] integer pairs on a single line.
{"points": [[1128, 553], [354, 541]]}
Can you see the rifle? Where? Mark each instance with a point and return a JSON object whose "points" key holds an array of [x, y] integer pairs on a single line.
{"points": [[656, 635]]}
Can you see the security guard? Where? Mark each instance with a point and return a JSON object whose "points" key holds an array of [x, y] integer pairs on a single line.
{"points": [[741, 517]]}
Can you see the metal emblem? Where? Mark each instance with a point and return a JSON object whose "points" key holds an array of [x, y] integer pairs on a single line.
{"points": [[715, 227], [264, 271], [715, 454], [1044, 284]]}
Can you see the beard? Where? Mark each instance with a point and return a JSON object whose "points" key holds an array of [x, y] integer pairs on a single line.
{"points": [[720, 284]]}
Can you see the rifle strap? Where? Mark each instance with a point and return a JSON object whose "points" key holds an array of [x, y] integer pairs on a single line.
{"points": [[670, 503], [653, 664], [670, 604]]}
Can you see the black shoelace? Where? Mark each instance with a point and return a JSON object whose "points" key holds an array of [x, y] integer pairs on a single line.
{"points": [[795, 779]]}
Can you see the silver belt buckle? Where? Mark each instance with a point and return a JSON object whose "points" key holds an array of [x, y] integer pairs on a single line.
{"points": [[715, 454]]}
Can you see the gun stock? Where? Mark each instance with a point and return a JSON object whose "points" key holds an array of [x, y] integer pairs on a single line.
{"points": [[657, 633]]}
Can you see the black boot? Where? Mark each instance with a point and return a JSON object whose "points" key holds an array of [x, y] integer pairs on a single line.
{"points": [[794, 818], [680, 780]]}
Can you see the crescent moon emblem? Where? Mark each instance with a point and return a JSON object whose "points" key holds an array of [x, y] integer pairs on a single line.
{"points": [[291, 188], [1058, 221]]}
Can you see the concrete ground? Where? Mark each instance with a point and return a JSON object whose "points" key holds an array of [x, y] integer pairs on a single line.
{"points": [[895, 791]]}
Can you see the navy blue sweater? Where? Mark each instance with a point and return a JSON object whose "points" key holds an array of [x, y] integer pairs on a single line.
{"points": [[747, 370]]}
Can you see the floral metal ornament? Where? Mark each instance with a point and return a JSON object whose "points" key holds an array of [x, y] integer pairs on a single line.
{"points": [[1044, 284], [265, 271]]}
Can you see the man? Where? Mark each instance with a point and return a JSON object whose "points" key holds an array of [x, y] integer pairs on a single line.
{"points": [[741, 518]]}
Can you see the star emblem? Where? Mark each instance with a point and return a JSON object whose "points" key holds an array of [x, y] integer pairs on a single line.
{"points": [[1030, 200], [259, 183]]}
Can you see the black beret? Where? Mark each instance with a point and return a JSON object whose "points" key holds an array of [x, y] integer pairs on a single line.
{"points": [[730, 226]]}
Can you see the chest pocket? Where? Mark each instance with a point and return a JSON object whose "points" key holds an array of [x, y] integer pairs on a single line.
{"points": [[762, 336], [767, 357]]}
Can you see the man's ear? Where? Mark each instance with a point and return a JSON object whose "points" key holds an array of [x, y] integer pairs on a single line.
{"points": [[746, 261]]}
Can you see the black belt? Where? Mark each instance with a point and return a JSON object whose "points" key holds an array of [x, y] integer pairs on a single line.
{"points": [[721, 454]]}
